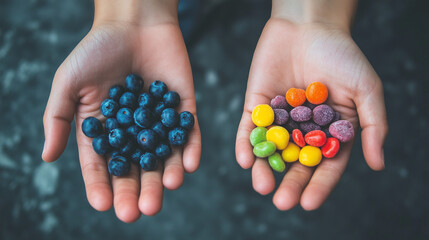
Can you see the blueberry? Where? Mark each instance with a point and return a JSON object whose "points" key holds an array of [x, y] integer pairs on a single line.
{"points": [[186, 120], [169, 118], [101, 145], [148, 161], [110, 124], [125, 117], [147, 139], [133, 130], [119, 166], [109, 108], [135, 156], [146, 100], [115, 153], [128, 148], [116, 92], [161, 130], [178, 136], [163, 151], [128, 100], [171, 99], [92, 127], [117, 138], [134, 83], [158, 89], [159, 107], [143, 117]]}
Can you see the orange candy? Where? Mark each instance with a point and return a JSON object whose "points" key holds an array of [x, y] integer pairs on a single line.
{"points": [[295, 97], [316, 93]]}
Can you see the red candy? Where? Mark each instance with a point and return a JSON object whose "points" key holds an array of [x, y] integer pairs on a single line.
{"points": [[298, 138], [316, 138], [331, 148]]}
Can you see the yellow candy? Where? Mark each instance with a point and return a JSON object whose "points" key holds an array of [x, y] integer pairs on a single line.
{"points": [[291, 152], [310, 156], [263, 115], [279, 136]]}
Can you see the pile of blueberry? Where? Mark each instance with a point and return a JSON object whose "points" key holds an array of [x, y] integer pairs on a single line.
{"points": [[140, 127]]}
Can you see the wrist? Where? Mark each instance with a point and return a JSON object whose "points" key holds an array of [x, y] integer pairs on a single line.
{"points": [[138, 12]]}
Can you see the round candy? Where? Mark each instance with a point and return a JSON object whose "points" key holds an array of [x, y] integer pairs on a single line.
{"points": [[342, 130], [279, 136], [295, 97], [316, 138], [258, 135], [310, 156], [291, 153], [276, 162], [291, 125], [331, 147], [280, 116], [309, 126], [279, 102], [298, 138], [301, 114], [263, 115], [323, 114], [316, 93], [264, 149]]}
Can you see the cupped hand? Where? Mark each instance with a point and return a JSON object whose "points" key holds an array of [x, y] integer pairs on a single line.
{"points": [[295, 55], [102, 59]]}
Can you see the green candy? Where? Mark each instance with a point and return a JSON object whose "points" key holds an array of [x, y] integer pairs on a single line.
{"points": [[276, 162], [258, 135], [264, 149]]}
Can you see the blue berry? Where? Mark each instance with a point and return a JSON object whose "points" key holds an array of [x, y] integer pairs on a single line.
{"points": [[171, 99], [158, 89], [159, 107], [128, 100], [163, 151], [119, 166], [161, 130], [147, 139], [148, 161], [109, 108], [169, 118], [110, 124], [133, 130], [178, 136], [115, 153], [143, 117], [134, 83], [101, 145], [128, 148], [135, 156], [187, 120], [116, 92], [92, 127], [117, 138], [146, 100], [125, 117]]}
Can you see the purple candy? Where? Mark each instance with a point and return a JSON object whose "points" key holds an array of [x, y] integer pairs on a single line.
{"points": [[342, 130], [336, 117], [310, 105], [279, 102], [323, 114], [301, 114], [291, 125], [280, 116], [309, 126]]}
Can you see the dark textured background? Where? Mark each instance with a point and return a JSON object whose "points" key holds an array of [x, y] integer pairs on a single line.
{"points": [[47, 201]]}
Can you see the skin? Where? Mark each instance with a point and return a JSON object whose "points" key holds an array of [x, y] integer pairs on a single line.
{"points": [[312, 42], [141, 37]]}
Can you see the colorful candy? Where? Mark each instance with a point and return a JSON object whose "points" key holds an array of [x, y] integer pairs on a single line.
{"points": [[298, 138], [316, 138], [301, 114], [264, 149], [295, 97], [342, 130], [323, 114], [280, 116], [258, 135], [276, 162], [263, 115], [279, 136], [331, 147], [309, 126], [316, 93], [291, 153], [279, 102], [310, 156]]}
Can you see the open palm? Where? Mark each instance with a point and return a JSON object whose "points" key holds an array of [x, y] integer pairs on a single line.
{"points": [[290, 55], [102, 59]]}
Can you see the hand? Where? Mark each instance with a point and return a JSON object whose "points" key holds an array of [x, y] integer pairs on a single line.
{"points": [[111, 51], [294, 55]]}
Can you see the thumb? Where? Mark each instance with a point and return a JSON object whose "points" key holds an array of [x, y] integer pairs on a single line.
{"points": [[58, 115], [372, 117]]}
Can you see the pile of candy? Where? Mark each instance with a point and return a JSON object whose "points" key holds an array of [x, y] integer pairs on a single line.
{"points": [[139, 127], [316, 129]]}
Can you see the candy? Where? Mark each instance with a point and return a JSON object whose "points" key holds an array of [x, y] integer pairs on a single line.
{"points": [[316, 138], [291, 153], [337, 117], [298, 138], [263, 115], [323, 114], [309, 126], [258, 135], [291, 125], [331, 147], [301, 114], [276, 162], [310, 156], [325, 129], [280, 116], [310, 105], [264, 149], [279, 102], [342, 130], [295, 97], [279, 136], [316, 93]]}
